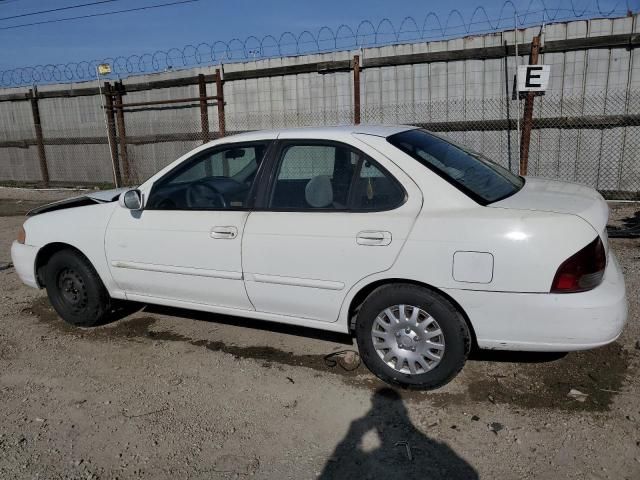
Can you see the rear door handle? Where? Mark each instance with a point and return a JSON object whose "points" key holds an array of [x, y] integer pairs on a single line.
{"points": [[373, 238], [228, 233]]}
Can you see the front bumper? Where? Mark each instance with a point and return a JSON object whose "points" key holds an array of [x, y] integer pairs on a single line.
{"points": [[24, 261], [548, 322]]}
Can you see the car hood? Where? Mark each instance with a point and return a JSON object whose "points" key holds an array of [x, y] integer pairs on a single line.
{"points": [[560, 197], [89, 198]]}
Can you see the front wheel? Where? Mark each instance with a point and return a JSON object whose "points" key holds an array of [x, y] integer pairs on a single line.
{"points": [[75, 289], [412, 337]]}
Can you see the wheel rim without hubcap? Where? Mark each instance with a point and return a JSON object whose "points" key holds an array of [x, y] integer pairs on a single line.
{"points": [[72, 289], [408, 339]]}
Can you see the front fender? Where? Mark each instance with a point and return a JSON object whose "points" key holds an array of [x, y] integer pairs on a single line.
{"points": [[82, 228]]}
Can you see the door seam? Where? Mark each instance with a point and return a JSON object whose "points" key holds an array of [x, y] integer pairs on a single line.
{"points": [[242, 266]]}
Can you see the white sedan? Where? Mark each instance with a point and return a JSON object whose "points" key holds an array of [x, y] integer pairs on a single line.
{"points": [[419, 246]]}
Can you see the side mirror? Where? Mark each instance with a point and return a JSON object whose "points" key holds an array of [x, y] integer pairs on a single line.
{"points": [[131, 199]]}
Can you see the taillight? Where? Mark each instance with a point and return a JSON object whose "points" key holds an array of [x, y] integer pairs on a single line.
{"points": [[582, 271]]}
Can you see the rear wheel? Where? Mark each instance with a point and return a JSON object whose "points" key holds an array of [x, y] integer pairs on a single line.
{"points": [[75, 289], [412, 337]]}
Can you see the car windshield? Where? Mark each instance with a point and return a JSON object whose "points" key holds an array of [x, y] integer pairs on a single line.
{"points": [[480, 178]]}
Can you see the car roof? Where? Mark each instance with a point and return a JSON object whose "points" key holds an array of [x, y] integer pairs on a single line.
{"points": [[325, 133]]}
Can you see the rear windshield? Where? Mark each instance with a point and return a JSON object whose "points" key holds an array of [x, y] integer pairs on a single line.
{"points": [[480, 178]]}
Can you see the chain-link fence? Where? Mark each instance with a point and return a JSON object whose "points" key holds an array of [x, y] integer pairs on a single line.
{"points": [[592, 139]]}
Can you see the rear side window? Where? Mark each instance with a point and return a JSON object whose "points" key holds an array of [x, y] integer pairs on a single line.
{"points": [[374, 189], [317, 176], [476, 175]]}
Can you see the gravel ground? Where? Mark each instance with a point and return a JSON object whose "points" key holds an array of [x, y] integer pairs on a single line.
{"points": [[164, 393]]}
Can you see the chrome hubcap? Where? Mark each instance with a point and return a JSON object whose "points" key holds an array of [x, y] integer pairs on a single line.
{"points": [[408, 339]]}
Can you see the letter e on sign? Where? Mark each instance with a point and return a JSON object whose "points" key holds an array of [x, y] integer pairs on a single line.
{"points": [[533, 78]]}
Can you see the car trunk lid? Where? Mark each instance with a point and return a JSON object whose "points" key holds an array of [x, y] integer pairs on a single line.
{"points": [[560, 197]]}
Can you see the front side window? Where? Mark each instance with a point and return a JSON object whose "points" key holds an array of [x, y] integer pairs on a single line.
{"points": [[220, 178], [476, 175], [316, 176]]}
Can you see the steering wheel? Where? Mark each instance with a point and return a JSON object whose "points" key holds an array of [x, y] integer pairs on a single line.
{"points": [[201, 194]]}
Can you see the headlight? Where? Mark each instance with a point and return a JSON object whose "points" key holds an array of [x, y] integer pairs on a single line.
{"points": [[22, 235]]}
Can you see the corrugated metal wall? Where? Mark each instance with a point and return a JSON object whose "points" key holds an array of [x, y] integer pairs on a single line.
{"points": [[588, 82]]}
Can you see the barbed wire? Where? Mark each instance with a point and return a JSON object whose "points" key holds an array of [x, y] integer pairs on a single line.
{"points": [[326, 39]]}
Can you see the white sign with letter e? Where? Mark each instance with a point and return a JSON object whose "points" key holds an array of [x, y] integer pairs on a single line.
{"points": [[533, 78]]}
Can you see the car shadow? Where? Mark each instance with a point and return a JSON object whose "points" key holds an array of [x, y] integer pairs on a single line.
{"points": [[384, 443], [509, 356], [120, 309], [294, 330], [124, 309]]}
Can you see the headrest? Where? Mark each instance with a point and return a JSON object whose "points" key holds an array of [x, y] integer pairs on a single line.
{"points": [[319, 192]]}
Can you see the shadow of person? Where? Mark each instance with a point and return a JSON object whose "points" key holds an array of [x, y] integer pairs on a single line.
{"points": [[384, 444]]}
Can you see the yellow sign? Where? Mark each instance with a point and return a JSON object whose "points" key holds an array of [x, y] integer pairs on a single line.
{"points": [[104, 69]]}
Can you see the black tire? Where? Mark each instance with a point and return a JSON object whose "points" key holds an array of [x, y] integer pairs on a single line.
{"points": [[75, 289], [454, 329]]}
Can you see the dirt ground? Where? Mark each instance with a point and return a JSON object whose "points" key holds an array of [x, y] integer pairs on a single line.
{"points": [[165, 394]]}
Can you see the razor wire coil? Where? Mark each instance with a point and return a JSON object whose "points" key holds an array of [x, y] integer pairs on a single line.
{"points": [[326, 39]]}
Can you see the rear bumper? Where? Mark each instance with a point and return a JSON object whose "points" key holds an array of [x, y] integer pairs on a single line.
{"points": [[548, 322], [24, 261]]}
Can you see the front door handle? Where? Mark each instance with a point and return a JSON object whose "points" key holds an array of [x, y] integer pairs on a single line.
{"points": [[226, 232], [373, 238]]}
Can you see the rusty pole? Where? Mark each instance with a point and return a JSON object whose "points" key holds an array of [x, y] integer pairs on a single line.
{"points": [[220, 101], [527, 120], [111, 132], [42, 156], [166, 102], [356, 89], [508, 101], [204, 119], [122, 134], [204, 113]]}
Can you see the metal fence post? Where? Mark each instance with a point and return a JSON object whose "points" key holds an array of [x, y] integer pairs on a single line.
{"points": [[111, 132], [222, 128], [204, 114], [507, 100], [527, 120], [122, 133], [356, 89], [42, 156]]}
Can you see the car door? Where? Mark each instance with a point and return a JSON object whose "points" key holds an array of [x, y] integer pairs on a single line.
{"points": [[330, 216], [185, 245]]}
